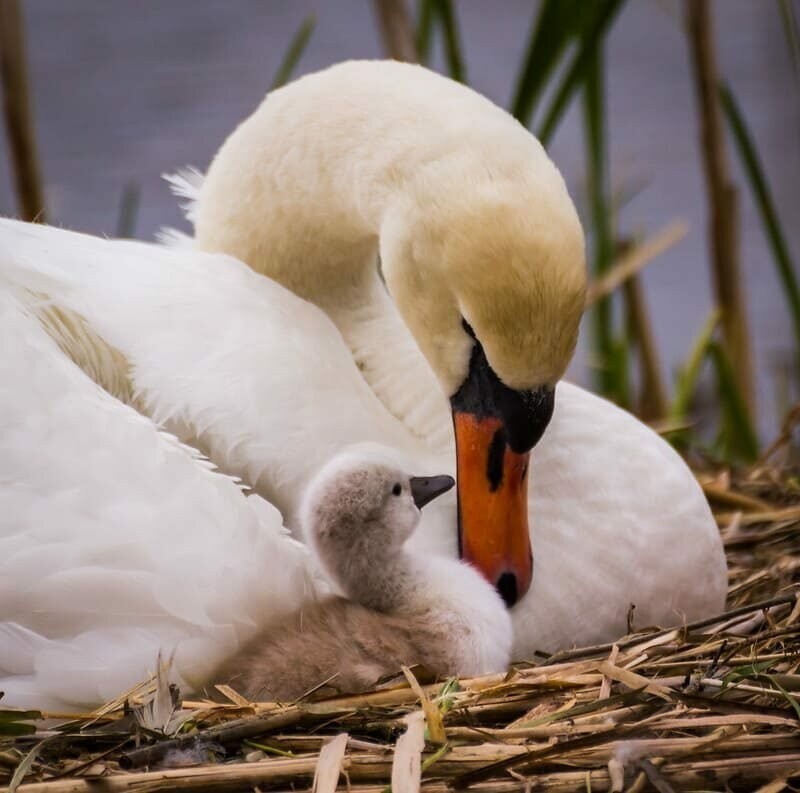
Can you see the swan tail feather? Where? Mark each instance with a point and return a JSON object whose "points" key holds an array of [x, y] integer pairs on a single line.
{"points": [[186, 183]]}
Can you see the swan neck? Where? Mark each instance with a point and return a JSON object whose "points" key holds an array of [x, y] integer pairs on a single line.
{"points": [[377, 577]]}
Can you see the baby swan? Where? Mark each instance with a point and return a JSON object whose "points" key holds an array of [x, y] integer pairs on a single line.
{"points": [[396, 607]]}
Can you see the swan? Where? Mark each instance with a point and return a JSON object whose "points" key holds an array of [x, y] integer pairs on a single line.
{"points": [[469, 323], [399, 607]]}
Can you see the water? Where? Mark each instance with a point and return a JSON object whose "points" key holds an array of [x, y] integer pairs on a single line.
{"points": [[124, 91]]}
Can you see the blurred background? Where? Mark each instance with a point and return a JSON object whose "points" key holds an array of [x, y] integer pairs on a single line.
{"points": [[120, 92]]}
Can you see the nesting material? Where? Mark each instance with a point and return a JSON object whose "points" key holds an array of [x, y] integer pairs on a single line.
{"points": [[713, 705]]}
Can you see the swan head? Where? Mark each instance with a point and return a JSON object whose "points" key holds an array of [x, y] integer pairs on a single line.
{"points": [[480, 247], [491, 282], [361, 507]]}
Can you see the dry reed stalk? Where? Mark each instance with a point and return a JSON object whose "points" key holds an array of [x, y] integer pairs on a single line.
{"points": [[652, 403], [791, 514], [329, 765], [634, 260], [784, 440], [730, 498], [397, 30], [722, 199], [433, 717], [18, 115], [407, 763]]}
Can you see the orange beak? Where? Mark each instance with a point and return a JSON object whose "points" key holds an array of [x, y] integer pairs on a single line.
{"points": [[493, 504], [496, 427]]}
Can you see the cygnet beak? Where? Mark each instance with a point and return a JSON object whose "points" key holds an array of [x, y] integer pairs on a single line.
{"points": [[425, 488]]}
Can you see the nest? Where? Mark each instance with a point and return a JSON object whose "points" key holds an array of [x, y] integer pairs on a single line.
{"points": [[712, 705]]}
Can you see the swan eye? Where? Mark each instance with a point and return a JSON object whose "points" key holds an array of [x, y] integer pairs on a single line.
{"points": [[397, 489]]}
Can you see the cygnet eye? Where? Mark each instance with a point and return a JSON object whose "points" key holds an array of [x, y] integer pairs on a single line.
{"points": [[397, 489]]}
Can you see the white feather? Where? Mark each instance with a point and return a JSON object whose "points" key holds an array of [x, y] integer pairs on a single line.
{"points": [[114, 542], [186, 184]]}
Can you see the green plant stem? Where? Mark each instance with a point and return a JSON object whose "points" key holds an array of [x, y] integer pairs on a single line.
{"points": [[435, 757], [268, 749], [294, 52], [766, 207], [551, 33], [652, 403], [606, 352], [792, 38], [738, 433], [452, 40], [424, 32], [442, 13], [604, 12], [689, 375]]}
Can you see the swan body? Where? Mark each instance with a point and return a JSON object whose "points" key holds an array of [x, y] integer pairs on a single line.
{"points": [[400, 608], [270, 376], [612, 522]]}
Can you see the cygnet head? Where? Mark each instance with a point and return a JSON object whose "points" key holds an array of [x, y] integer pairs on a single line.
{"points": [[359, 510]]}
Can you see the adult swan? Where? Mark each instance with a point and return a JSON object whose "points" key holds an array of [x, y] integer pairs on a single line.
{"points": [[477, 301]]}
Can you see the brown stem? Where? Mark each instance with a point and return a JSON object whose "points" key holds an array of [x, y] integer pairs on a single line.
{"points": [[722, 198], [584, 652], [652, 399], [634, 259], [233, 731], [397, 30], [16, 105]]}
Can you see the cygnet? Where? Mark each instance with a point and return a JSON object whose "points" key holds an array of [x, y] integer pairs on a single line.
{"points": [[396, 607]]}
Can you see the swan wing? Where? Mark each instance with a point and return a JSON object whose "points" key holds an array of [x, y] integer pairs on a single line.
{"points": [[231, 362], [116, 540]]}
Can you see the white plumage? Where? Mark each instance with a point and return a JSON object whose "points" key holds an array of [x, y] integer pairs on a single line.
{"points": [[117, 541]]}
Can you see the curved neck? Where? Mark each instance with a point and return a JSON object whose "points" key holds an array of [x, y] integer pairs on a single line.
{"points": [[321, 241], [304, 193]]}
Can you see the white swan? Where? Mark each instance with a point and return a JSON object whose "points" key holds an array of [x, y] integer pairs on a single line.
{"points": [[474, 226]]}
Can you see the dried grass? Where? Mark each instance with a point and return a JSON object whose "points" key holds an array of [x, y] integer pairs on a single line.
{"points": [[709, 706]]}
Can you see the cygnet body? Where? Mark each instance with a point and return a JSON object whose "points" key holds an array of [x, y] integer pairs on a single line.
{"points": [[396, 607]]}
